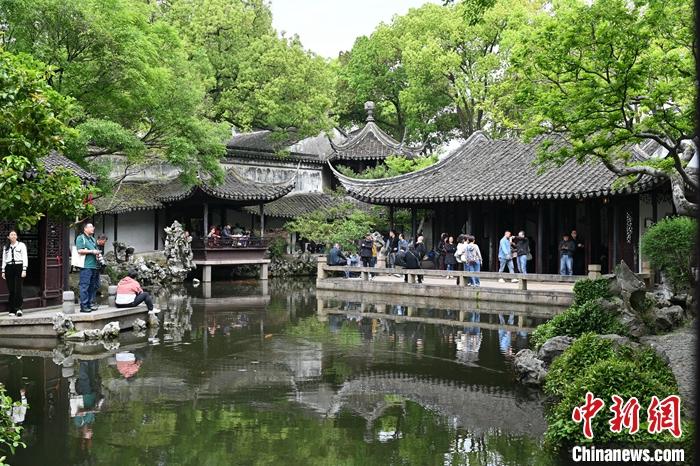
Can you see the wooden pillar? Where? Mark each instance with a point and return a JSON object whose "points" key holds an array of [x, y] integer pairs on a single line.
{"points": [[495, 238], [470, 217], [414, 223], [553, 243], [222, 214], [116, 219], [587, 240], [654, 207], [206, 219], [391, 217], [155, 232], [434, 230], [262, 220], [615, 253], [540, 246]]}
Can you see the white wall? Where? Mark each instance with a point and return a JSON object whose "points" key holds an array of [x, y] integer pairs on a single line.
{"points": [[136, 229], [308, 179]]}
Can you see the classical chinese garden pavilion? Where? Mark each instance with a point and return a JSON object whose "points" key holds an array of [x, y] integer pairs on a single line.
{"points": [[489, 186]]}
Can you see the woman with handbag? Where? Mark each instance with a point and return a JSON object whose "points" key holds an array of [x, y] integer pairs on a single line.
{"points": [[14, 268]]}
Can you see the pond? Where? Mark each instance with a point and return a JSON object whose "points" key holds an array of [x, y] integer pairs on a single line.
{"points": [[274, 374]]}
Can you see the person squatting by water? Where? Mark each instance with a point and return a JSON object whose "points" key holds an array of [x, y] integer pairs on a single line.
{"points": [[130, 293], [14, 269], [90, 273]]}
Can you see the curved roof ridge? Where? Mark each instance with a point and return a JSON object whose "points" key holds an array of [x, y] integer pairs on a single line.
{"points": [[475, 138]]}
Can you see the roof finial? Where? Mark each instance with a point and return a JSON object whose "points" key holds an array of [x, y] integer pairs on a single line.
{"points": [[369, 108]]}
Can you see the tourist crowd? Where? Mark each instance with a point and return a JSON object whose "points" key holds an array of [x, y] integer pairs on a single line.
{"points": [[460, 253]]}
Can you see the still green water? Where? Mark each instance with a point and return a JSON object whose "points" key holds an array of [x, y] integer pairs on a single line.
{"points": [[252, 375]]}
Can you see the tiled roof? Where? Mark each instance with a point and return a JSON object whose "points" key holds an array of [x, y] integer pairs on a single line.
{"points": [[234, 188], [130, 197], [296, 204], [54, 161], [144, 196], [484, 169], [262, 145], [371, 143]]}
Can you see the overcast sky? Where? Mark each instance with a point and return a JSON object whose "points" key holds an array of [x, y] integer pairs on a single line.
{"points": [[328, 27]]}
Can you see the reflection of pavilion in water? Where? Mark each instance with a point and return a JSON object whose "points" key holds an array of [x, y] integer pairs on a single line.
{"points": [[458, 323]]}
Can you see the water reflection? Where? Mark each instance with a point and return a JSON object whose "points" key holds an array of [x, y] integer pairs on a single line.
{"points": [[245, 377]]}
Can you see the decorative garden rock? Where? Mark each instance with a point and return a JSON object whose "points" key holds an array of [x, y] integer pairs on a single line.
{"points": [[139, 325], [178, 252], [529, 369], [62, 324], [668, 318], [632, 322], [93, 334], [553, 348], [619, 340], [632, 288], [76, 336], [111, 330], [153, 321]]}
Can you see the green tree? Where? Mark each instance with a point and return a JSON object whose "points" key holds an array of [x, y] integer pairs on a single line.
{"points": [[31, 126], [259, 80], [607, 75], [436, 69], [392, 166], [139, 94], [344, 223]]}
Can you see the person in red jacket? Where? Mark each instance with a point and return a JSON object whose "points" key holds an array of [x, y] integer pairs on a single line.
{"points": [[130, 293]]}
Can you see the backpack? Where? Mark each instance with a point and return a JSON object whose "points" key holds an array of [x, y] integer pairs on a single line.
{"points": [[470, 256]]}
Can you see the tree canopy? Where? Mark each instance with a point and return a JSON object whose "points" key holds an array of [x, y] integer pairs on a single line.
{"points": [[392, 166], [433, 72], [129, 72], [31, 126], [257, 80], [164, 81], [607, 75], [343, 223]]}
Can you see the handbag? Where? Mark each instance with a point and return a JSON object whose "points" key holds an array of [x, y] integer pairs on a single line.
{"points": [[76, 259], [529, 256]]}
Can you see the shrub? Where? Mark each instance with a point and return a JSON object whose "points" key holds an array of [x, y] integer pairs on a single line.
{"points": [[611, 376], [277, 248], [577, 320], [583, 353], [10, 434], [605, 369], [590, 290], [669, 247]]}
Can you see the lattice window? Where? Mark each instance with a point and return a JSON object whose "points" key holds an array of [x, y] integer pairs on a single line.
{"points": [[54, 238], [629, 227]]}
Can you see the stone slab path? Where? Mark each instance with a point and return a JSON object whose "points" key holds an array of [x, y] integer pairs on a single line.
{"points": [[679, 348]]}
